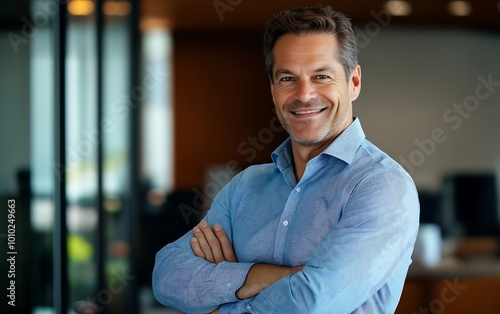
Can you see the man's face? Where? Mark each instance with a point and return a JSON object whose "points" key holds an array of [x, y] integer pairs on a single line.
{"points": [[312, 97]]}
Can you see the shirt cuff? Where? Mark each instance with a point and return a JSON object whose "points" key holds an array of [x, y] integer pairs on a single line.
{"points": [[242, 307], [228, 278]]}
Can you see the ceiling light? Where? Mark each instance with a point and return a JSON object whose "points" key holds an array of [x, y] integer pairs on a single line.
{"points": [[148, 23], [116, 8], [81, 7], [398, 8], [459, 8]]}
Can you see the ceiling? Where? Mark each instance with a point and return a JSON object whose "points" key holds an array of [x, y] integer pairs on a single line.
{"points": [[252, 14]]}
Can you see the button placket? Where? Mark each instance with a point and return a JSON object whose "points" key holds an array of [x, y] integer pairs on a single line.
{"points": [[284, 223]]}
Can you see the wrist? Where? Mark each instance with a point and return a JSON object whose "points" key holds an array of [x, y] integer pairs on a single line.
{"points": [[261, 276]]}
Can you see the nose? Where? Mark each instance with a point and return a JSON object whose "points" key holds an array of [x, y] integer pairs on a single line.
{"points": [[306, 91]]}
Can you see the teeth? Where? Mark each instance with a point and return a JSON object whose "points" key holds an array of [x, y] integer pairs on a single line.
{"points": [[307, 112]]}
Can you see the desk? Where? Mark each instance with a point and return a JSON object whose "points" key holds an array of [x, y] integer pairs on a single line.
{"points": [[453, 287]]}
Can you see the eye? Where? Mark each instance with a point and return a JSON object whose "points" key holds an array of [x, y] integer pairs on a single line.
{"points": [[322, 77], [287, 80]]}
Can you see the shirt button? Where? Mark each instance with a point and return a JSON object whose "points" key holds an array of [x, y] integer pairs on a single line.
{"points": [[298, 190], [285, 223], [248, 307]]}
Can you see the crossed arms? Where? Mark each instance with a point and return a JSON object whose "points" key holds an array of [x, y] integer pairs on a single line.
{"points": [[214, 246], [361, 262]]}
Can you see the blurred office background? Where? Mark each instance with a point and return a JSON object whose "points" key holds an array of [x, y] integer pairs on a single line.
{"points": [[121, 120]]}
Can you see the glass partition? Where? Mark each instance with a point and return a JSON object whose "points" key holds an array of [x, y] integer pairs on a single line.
{"points": [[82, 208]]}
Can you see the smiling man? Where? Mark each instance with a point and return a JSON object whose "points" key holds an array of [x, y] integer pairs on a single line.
{"points": [[330, 225], [311, 92]]}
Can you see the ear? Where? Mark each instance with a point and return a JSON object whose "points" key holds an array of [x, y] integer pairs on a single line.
{"points": [[355, 83]]}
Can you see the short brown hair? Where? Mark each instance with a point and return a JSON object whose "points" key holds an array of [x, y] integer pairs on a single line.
{"points": [[312, 20]]}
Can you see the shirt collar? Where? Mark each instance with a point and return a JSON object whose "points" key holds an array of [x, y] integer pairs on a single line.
{"points": [[344, 147]]}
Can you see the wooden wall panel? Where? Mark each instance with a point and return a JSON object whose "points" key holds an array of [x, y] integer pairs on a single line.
{"points": [[221, 98]]}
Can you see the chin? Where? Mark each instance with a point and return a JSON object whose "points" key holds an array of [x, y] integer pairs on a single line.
{"points": [[311, 140], [307, 141]]}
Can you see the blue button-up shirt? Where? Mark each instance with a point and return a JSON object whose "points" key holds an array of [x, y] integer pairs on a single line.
{"points": [[351, 220]]}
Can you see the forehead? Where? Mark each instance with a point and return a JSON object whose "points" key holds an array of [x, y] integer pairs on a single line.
{"points": [[305, 50]]}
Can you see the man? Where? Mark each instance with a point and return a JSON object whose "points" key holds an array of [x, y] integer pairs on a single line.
{"points": [[329, 227]]}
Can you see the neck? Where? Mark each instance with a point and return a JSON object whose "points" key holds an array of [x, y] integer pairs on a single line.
{"points": [[302, 153]]}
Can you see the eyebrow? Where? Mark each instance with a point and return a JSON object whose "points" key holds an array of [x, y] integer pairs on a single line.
{"points": [[320, 69], [325, 69], [282, 71]]}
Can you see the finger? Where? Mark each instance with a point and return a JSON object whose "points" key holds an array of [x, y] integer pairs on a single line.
{"points": [[195, 246], [226, 247], [204, 246], [212, 241]]}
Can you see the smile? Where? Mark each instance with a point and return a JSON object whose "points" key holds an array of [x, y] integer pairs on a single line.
{"points": [[303, 112]]}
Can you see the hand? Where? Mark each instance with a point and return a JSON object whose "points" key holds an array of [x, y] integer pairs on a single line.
{"points": [[212, 245], [217, 311]]}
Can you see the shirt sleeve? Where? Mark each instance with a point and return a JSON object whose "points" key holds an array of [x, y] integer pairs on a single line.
{"points": [[369, 248], [191, 284]]}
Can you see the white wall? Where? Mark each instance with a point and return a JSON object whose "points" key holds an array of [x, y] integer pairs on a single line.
{"points": [[411, 78], [14, 112]]}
